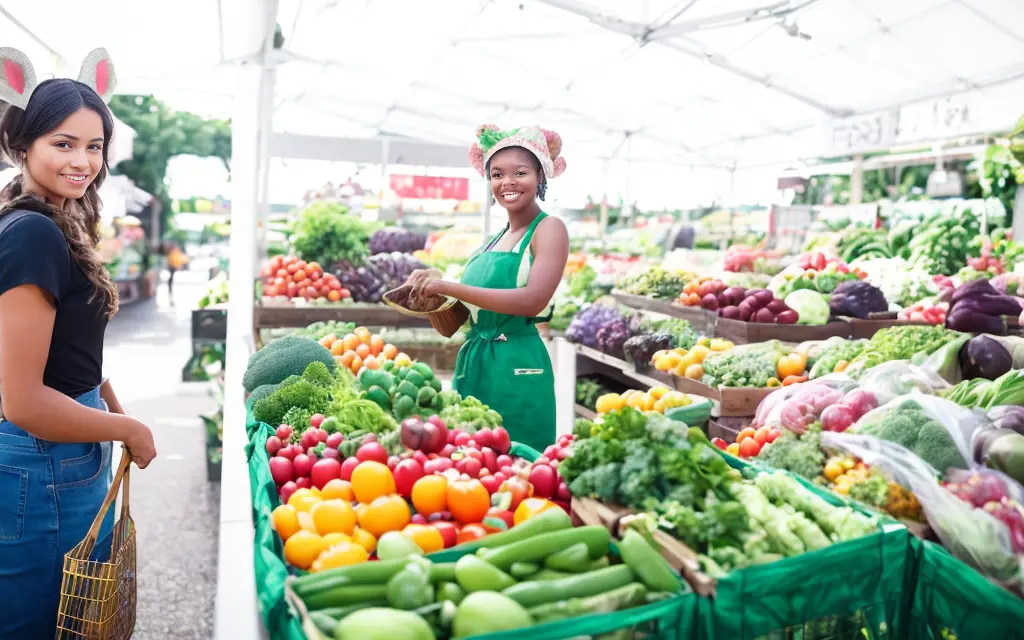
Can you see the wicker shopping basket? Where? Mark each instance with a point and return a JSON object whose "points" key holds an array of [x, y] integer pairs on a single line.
{"points": [[97, 599], [446, 318]]}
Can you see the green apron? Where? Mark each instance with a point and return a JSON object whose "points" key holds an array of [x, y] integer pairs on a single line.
{"points": [[504, 363]]}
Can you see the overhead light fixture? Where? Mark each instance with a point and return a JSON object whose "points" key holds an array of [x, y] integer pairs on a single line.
{"points": [[793, 29]]}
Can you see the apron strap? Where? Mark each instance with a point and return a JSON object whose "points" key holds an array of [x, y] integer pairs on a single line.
{"points": [[521, 248]]}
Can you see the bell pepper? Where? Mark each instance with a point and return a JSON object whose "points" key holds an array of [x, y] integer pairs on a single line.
{"points": [[474, 574], [410, 588]]}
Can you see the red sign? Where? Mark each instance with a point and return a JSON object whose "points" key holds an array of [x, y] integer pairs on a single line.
{"points": [[430, 187]]}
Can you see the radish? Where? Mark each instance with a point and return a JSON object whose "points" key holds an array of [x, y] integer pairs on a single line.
{"points": [[316, 420], [284, 432], [287, 490], [286, 452], [281, 470], [333, 454], [372, 451], [303, 483], [334, 440], [273, 445], [347, 467], [544, 480], [324, 471]]}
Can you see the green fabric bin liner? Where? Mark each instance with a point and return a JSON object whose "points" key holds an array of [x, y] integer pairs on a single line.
{"points": [[953, 601]]}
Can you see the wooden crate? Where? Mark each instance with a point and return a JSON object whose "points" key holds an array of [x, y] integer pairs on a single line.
{"points": [[703, 321], [739, 332]]}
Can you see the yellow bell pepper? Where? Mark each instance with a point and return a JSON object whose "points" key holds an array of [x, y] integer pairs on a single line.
{"points": [[609, 402]]}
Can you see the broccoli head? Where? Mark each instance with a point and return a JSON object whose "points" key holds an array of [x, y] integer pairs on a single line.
{"points": [[318, 373], [288, 356], [302, 394], [936, 447], [600, 482]]}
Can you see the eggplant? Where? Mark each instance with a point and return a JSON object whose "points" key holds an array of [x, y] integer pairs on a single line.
{"points": [[991, 305], [1009, 417], [973, 289], [961, 318], [983, 357]]}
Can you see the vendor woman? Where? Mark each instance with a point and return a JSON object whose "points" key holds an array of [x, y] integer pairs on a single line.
{"points": [[508, 285]]}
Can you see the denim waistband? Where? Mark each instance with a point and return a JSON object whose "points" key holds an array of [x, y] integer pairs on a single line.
{"points": [[13, 436]]}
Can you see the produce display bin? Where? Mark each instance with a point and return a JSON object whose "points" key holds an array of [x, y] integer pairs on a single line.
{"points": [[952, 601], [739, 332], [672, 619], [865, 329]]}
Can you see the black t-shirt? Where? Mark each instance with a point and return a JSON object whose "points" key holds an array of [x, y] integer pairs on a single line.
{"points": [[33, 250]]}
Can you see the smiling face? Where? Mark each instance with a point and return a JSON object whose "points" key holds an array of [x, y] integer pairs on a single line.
{"points": [[62, 163], [515, 174]]}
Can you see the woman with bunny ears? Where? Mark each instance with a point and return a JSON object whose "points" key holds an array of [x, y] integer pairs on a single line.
{"points": [[56, 297], [508, 285]]}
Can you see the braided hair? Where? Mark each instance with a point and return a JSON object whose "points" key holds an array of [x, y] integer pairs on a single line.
{"points": [[52, 102]]}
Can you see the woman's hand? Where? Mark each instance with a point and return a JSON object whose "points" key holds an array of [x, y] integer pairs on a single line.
{"points": [[140, 445], [419, 279]]}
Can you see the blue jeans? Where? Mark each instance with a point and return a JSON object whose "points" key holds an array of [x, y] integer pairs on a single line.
{"points": [[49, 495]]}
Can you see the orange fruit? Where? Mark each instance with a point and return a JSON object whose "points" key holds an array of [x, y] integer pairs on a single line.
{"points": [[337, 347], [338, 489], [370, 480], [363, 351], [371, 362], [426, 538], [351, 342], [334, 516], [356, 365], [376, 345], [340, 555], [286, 521], [429, 495], [363, 334], [347, 358], [365, 539], [303, 548], [303, 499], [386, 513], [389, 351]]}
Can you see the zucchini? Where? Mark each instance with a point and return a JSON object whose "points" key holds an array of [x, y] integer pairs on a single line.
{"points": [[537, 592], [596, 537], [647, 563]]}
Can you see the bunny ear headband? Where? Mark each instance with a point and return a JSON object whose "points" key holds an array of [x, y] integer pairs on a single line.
{"points": [[18, 78], [545, 144]]}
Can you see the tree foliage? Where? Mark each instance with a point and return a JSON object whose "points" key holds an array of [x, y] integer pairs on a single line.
{"points": [[161, 134]]}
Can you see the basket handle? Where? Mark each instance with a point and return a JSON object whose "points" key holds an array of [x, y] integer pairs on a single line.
{"points": [[120, 479]]}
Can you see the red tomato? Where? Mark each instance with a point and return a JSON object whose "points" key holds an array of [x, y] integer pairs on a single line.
{"points": [[301, 264], [772, 435], [407, 472], [449, 532], [749, 448], [471, 532], [291, 268], [744, 434], [761, 435]]}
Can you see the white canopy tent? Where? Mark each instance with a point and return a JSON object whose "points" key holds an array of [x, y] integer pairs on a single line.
{"points": [[670, 97]]}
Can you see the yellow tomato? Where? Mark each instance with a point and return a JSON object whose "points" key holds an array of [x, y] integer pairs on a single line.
{"points": [[658, 355], [427, 538], [608, 402], [719, 344], [658, 392], [694, 371], [303, 500], [531, 507], [365, 539], [340, 555], [833, 469], [303, 548], [286, 521], [386, 513], [733, 449], [699, 352], [334, 516]]}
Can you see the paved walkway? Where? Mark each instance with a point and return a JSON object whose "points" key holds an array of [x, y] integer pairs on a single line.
{"points": [[175, 509]]}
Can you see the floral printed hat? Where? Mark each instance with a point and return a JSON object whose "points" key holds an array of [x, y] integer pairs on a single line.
{"points": [[545, 144]]}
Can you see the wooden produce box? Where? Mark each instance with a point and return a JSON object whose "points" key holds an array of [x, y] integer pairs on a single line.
{"points": [[702, 320], [273, 314], [733, 401], [739, 332], [727, 428], [587, 511], [864, 329]]}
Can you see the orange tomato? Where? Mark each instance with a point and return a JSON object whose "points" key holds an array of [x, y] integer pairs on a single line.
{"points": [[334, 516], [303, 500], [429, 494], [334, 538], [363, 351], [363, 334], [365, 539], [303, 548], [386, 513], [370, 480], [389, 351], [426, 538], [338, 348], [286, 521], [347, 358], [376, 345], [471, 532], [351, 342], [468, 500], [306, 521], [531, 507], [357, 364], [370, 362], [340, 555], [327, 340], [338, 488]]}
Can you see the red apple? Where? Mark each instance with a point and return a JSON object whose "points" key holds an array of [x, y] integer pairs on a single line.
{"points": [[282, 470], [544, 480], [504, 461], [287, 452], [393, 462], [501, 441], [335, 439], [316, 420], [447, 451]]}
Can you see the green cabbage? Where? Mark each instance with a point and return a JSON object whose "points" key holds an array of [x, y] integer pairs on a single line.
{"points": [[809, 305]]}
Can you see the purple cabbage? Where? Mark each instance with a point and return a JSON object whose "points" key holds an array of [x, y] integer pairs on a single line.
{"points": [[395, 240], [585, 325], [612, 337], [383, 272]]}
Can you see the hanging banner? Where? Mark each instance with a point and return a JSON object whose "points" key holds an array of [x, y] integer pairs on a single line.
{"points": [[430, 187]]}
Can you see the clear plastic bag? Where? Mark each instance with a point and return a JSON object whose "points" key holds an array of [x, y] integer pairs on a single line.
{"points": [[909, 420], [798, 406], [891, 380], [972, 534]]}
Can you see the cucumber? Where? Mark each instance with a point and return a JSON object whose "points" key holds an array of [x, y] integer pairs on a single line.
{"points": [[582, 585], [533, 549]]}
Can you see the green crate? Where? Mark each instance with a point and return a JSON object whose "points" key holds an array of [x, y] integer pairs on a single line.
{"points": [[858, 589], [952, 601]]}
